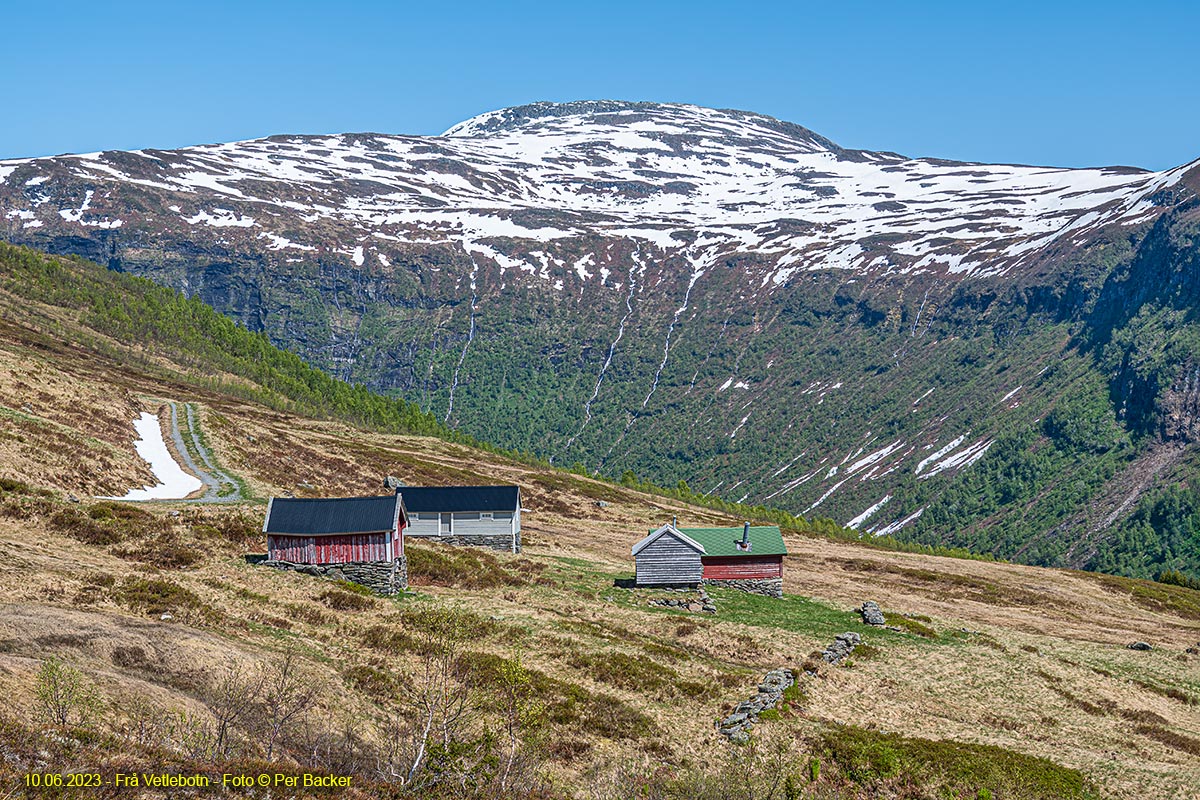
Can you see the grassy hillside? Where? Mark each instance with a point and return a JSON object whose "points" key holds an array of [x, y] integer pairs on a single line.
{"points": [[138, 637]]}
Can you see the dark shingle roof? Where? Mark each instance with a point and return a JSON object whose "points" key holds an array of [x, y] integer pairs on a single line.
{"points": [[332, 515], [460, 498]]}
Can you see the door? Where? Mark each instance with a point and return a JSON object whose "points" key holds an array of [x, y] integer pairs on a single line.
{"points": [[444, 525]]}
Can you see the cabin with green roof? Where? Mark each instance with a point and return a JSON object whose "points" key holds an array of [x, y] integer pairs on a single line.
{"points": [[747, 558]]}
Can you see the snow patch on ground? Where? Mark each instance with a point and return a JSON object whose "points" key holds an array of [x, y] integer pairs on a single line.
{"points": [[875, 457], [938, 454], [1010, 394], [963, 458], [864, 516], [896, 526], [220, 218], [276, 242], [825, 496], [174, 483]]}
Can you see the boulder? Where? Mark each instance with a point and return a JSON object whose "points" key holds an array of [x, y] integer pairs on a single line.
{"points": [[872, 614], [392, 483], [1140, 646]]}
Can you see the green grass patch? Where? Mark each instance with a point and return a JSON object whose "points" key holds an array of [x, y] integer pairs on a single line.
{"points": [[878, 761], [911, 625], [1164, 597], [792, 613], [1167, 691]]}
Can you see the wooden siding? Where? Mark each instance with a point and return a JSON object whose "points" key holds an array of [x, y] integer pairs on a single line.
{"points": [[329, 549], [471, 524], [422, 527], [728, 568], [667, 560], [468, 523]]}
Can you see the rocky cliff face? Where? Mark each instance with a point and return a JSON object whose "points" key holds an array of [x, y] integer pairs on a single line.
{"points": [[689, 294]]}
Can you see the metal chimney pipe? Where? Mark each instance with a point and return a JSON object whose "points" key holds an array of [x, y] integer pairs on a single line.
{"points": [[674, 522], [746, 536]]}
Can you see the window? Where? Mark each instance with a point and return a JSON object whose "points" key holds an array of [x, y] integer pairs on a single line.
{"points": [[466, 515], [485, 515], [502, 515], [426, 516]]}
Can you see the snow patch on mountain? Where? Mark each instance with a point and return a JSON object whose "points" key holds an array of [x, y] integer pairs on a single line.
{"points": [[668, 176]]}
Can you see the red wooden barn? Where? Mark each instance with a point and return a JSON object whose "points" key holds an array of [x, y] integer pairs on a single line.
{"points": [[337, 530]]}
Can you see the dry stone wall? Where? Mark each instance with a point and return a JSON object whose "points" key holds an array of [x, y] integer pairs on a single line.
{"points": [[771, 587], [382, 577], [503, 541], [736, 727]]}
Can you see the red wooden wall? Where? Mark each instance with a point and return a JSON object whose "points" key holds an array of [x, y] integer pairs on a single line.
{"points": [[329, 549], [728, 568]]}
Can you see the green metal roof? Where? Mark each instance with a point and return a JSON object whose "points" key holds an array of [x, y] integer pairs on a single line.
{"points": [[765, 540]]}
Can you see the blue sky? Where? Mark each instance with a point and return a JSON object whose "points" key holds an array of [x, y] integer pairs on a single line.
{"points": [[1064, 83]]}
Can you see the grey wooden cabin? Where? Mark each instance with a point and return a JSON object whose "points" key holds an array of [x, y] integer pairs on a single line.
{"points": [[668, 558], [485, 516]]}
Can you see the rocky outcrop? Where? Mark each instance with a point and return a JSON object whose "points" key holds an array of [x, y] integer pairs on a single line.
{"points": [[872, 614], [737, 725], [383, 577]]}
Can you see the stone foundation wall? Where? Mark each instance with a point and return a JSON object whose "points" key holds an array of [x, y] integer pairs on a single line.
{"points": [[771, 587], [502, 541], [382, 577]]}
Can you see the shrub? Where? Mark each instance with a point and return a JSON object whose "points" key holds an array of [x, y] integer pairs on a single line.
{"points": [[13, 485], [1177, 741], [106, 523], [156, 597], [796, 694], [306, 613], [1177, 578], [64, 696], [370, 680], [342, 600], [83, 527], [625, 671], [162, 551], [389, 640]]}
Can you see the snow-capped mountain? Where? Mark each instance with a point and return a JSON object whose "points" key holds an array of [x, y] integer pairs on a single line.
{"points": [[675, 178], [687, 293]]}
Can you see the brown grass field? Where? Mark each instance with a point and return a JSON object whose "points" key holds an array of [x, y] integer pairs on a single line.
{"points": [[1030, 660]]}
